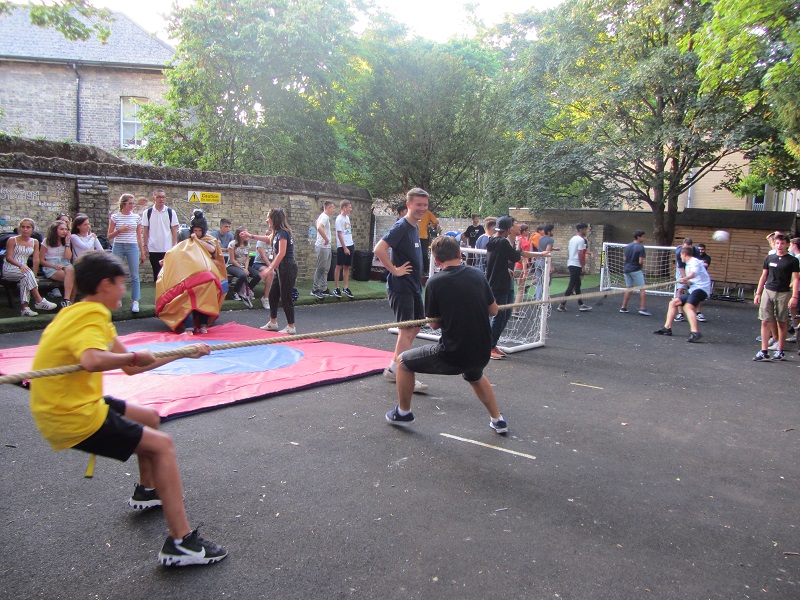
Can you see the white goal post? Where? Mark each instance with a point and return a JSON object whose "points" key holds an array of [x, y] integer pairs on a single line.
{"points": [[527, 327], [658, 267]]}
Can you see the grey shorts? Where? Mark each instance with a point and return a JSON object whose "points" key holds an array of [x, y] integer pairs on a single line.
{"points": [[635, 279], [425, 359], [774, 306]]}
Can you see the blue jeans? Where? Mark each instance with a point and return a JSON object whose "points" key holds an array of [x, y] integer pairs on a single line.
{"points": [[130, 252], [500, 320]]}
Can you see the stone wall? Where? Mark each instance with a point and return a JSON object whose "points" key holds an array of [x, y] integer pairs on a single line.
{"points": [[40, 188]]}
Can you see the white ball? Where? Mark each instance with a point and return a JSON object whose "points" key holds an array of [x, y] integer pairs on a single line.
{"points": [[721, 236]]}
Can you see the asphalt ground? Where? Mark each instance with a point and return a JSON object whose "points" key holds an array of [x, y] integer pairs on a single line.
{"points": [[646, 468]]}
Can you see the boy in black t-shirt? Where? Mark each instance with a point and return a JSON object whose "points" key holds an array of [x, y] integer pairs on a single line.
{"points": [[777, 294], [460, 301]]}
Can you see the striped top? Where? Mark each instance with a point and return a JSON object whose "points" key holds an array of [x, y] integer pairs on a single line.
{"points": [[21, 255], [127, 237]]}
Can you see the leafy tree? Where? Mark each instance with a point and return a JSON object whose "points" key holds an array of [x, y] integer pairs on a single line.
{"points": [[251, 87], [75, 19], [420, 114], [610, 109]]}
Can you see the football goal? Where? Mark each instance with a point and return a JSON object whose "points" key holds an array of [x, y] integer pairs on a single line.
{"points": [[658, 267]]}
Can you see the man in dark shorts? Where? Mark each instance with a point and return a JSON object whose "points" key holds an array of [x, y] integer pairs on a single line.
{"points": [[71, 411], [404, 282], [696, 278], [776, 294], [460, 300], [344, 250]]}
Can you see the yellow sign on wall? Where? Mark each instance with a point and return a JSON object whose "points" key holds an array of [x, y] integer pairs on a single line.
{"points": [[205, 197]]}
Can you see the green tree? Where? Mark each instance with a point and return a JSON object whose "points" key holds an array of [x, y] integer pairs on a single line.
{"points": [[420, 114], [610, 108], [252, 87], [75, 19]]}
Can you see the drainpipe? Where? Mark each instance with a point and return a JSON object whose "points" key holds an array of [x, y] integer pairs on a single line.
{"points": [[77, 103]]}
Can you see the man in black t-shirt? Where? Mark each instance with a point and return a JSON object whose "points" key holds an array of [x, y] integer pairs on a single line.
{"points": [[776, 293], [460, 301], [471, 234]]}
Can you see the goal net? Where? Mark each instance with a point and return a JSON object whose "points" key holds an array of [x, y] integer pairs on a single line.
{"points": [[658, 267], [527, 327]]}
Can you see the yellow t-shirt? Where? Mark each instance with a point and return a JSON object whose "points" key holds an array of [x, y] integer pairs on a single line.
{"points": [[69, 408], [427, 219]]}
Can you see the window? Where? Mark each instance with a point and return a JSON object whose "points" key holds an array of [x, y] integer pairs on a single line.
{"points": [[130, 125]]}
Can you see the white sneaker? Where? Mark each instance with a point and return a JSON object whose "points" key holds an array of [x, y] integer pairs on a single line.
{"points": [[389, 375], [55, 293], [265, 303], [773, 346], [585, 308], [135, 306], [270, 326], [420, 387], [45, 305], [27, 312], [289, 330], [701, 317]]}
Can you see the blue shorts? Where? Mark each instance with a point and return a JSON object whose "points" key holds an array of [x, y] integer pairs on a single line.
{"points": [[635, 279], [406, 306], [117, 437], [425, 359]]}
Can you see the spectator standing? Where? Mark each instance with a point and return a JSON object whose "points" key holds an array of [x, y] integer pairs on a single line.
{"points": [[480, 244], [263, 259], [521, 267], [284, 269], [159, 231], [471, 234], [429, 228], [777, 294], [345, 249], [546, 244], [125, 233], [635, 254], [322, 249], [576, 263]]}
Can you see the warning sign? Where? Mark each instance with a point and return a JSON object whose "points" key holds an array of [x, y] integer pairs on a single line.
{"points": [[204, 197]]}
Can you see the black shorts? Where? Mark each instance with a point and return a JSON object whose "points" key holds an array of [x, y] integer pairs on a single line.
{"points": [[425, 359], [342, 259], [117, 437], [406, 307], [695, 298]]}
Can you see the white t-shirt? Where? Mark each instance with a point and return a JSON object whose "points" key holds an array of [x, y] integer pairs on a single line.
{"points": [[159, 238], [576, 244], [343, 225], [323, 221], [701, 280]]}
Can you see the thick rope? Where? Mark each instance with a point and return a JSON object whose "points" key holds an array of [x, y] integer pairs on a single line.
{"points": [[188, 350]]}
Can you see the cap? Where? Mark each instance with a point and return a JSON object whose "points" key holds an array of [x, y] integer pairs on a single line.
{"points": [[504, 224]]}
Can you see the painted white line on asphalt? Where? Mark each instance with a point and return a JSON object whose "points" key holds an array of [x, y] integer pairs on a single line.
{"points": [[477, 443], [594, 387]]}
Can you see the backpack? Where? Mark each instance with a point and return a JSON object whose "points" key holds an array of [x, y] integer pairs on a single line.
{"points": [[150, 215]]}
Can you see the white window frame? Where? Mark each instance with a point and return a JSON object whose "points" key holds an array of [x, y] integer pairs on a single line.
{"points": [[133, 119]]}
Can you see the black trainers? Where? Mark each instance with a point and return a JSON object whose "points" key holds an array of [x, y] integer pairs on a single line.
{"points": [[663, 331], [762, 355], [143, 498], [778, 355], [500, 427], [348, 293], [679, 317], [337, 293], [191, 550], [318, 295], [694, 336], [394, 418], [327, 292]]}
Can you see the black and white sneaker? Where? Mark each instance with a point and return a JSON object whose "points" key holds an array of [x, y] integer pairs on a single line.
{"points": [[694, 336], [561, 308], [663, 331], [245, 298], [327, 292], [317, 294], [778, 355], [143, 498], [623, 310], [679, 317], [584, 308], [701, 317], [191, 550], [762, 355], [348, 293], [394, 418], [500, 427], [337, 293]]}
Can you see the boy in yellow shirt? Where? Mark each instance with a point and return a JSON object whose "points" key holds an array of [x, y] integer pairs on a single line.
{"points": [[71, 411]]}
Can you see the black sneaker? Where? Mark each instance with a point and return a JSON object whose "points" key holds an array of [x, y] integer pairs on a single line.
{"points": [[762, 355], [663, 331], [623, 310], [348, 293], [191, 550], [327, 292], [778, 355], [318, 295], [394, 418], [500, 427], [337, 293], [694, 336], [679, 317], [143, 498]]}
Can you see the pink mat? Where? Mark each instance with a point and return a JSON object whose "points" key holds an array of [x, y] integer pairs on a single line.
{"points": [[225, 377]]}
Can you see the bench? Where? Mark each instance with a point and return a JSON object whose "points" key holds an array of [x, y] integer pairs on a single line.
{"points": [[12, 288]]}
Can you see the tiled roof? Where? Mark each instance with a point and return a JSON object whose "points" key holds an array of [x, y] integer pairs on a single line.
{"points": [[128, 43]]}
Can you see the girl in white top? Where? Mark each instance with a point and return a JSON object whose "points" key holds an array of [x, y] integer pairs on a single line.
{"points": [[15, 267], [125, 229], [55, 257], [82, 238], [239, 266]]}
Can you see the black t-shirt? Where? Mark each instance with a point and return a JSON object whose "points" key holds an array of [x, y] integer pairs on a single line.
{"points": [[779, 271], [501, 256], [460, 298], [472, 234]]}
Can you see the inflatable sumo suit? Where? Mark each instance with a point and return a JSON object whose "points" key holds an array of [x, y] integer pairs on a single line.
{"points": [[191, 279]]}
